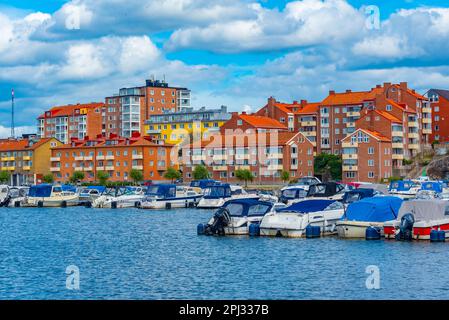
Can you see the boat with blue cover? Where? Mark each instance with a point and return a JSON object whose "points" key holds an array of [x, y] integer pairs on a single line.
{"points": [[215, 196], [430, 190], [237, 217], [90, 193], [47, 195], [368, 212], [202, 184], [293, 221], [405, 189], [168, 196]]}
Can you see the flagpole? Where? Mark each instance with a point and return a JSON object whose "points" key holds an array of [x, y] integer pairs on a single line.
{"points": [[13, 134]]}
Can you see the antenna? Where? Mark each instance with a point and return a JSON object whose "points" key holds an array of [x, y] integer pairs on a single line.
{"points": [[13, 134]]}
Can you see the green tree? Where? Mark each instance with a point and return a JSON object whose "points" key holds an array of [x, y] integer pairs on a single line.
{"points": [[172, 174], [329, 166], [48, 178], [77, 176], [200, 172], [244, 175], [103, 177], [285, 176], [136, 175], [4, 177]]}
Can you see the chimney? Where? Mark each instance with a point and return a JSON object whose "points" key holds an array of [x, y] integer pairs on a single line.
{"points": [[331, 92], [244, 113], [270, 107], [303, 103], [295, 101], [348, 91], [378, 86]]}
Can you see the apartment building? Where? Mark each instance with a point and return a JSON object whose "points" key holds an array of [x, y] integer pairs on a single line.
{"points": [[367, 156], [127, 111], [265, 154], [298, 116], [114, 155], [175, 127], [65, 122], [255, 123], [26, 159], [439, 103]]}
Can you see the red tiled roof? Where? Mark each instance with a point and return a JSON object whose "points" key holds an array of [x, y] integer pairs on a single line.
{"points": [[21, 144], [388, 116], [310, 108], [69, 110], [376, 135], [118, 142], [262, 122]]}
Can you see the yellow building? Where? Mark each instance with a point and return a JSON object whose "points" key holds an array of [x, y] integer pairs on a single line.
{"points": [[175, 127], [26, 159]]}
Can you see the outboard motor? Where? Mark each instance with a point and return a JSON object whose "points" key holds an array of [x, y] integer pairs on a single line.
{"points": [[406, 228], [222, 218]]}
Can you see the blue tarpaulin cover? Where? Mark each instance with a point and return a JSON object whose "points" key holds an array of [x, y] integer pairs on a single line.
{"points": [[308, 206], [401, 185], [40, 191], [432, 186], [376, 209]]}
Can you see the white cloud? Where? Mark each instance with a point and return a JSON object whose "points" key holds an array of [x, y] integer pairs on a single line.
{"points": [[5, 132]]}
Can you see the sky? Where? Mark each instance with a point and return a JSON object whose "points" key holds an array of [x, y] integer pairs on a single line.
{"points": [[228, 52]]}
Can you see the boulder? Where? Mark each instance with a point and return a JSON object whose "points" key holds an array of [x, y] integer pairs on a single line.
{"points": [[439, 168]]}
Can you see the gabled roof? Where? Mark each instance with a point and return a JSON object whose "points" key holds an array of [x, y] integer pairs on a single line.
{"points": [[312, 107], [118, 142], [441, 93], [388, 116], [376, 135], [262, 122], [21, 144], [69, 110]]}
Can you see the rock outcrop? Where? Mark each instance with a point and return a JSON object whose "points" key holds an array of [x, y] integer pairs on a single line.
{"points": [[439, 168]]}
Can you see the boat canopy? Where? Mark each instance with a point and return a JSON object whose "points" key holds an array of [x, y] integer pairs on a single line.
{"points": [[40, 191], [375, 209], [68, 187], [203, 184], [247, 207], [307, 206], [100, 189], [327, 189], [401, 185], [162, 190], [425, 209], [293, 193], [218, 191], [357, 194], [432, 186]]}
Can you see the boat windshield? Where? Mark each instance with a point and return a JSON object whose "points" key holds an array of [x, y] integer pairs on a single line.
{"points": [[307, 181], [352, 197], [4, 190], [153, 191], [294, 193], [57, 189], [217, 192]]}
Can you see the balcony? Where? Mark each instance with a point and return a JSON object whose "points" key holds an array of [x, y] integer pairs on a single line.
{"points": [[88, 169], [109, 168], [314, 143], [27, 168], [79, 158], [352, 156], [55, 169], [242, 156], [325, 135], [88, 158], [325, 146], [275, 167], [219, 157], [413, 135], [426, 110], [109, 157], [353, 114], [427, 120], [350, 124], [413, 124], [220, 168], [242, 167], [349, 145], [198, 158], [8, 159], [153, 131], [413, 146], [397, 156], [427, 131], [350, 168], [136, 157], [309, 133], [100, 168], [26, 158], [100, 157], [138, 167], [397, 134], [294, 167], [275, 156], [55, 159], [79, 168], [397, 145], [308, 123]]}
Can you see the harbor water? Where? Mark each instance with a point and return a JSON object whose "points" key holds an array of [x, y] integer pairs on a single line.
{"points": [[136, 254]]}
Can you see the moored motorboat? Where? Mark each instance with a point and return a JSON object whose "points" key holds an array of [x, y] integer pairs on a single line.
{"points": [[120, 197], [168, 196], [417, 219], [293, 220], [368, 212], [304, 183], [4, 191], [216, 195], [405, 189], [16, 196], [46, 195], [89, 194], [237, 217]]}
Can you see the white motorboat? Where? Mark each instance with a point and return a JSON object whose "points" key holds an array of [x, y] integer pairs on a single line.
{"points": [[292, 221], [237, 217], [16, 196], [328, 190], [4, 192], [168, 196], [404, 189], [417, 219], [368, 212], [216, 196], [304, 183], [120, 197], [89, 194], [46, 195]]}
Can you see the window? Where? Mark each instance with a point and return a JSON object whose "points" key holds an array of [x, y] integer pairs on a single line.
{"points": [[370, 163], [436, 109], [370, 150], [437, 118], [371, 175], [389, 108], [350, 174]]}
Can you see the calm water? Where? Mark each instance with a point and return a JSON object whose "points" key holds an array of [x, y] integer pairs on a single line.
{"points": [[133, 254]]}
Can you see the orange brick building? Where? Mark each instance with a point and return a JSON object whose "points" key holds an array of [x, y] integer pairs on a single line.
{"points": [[115, 155], [439, 102], [254, 123], [367, 157], [265, 154], [65, 122]]}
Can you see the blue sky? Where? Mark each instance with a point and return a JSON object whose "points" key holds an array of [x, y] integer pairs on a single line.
{"points": [[231, 52]]}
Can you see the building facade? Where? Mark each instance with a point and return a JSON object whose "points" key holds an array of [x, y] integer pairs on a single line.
{"points": [[251, 122], [65, 122], [27, 160], [266, 155], [175, 127], [439, 103], [115, 155]]}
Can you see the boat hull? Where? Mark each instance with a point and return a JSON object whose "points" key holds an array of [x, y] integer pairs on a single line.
{"points": [[170, 203], [356, 229]]}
